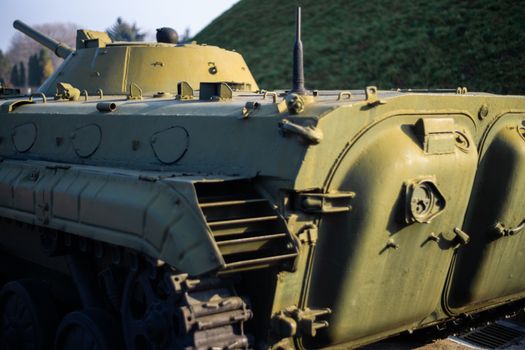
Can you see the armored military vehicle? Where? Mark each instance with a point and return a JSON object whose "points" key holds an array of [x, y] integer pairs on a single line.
{"points": [[153, 197]]}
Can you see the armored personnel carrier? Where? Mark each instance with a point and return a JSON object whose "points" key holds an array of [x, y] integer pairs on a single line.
{"points": [[153, 197]]}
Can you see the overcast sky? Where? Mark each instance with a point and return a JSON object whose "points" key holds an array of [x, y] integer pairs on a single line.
{"points": [[101, 14]]}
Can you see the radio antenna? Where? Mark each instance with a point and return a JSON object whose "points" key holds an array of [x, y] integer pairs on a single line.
{"points": [[298, 69]]}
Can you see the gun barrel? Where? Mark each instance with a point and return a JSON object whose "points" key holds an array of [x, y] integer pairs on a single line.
{"points": [[60, 49]]}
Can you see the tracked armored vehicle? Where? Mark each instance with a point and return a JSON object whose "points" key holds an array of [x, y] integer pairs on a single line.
{"points": [[162, 201]]}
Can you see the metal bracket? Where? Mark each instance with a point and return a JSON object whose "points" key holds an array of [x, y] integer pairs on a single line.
{"points": [[39, 94], [462, 238], [310, 134], [135, 92], [270, 93], [249, 108], [461, 90], [372, 99], [343, 94], [215, 92], [9, 107], [324, 203], [66, 91], [184, 91], [299, 322], [308, 234]]}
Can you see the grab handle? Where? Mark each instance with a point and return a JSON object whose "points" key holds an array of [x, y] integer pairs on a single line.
{"points": [[502, 231]]}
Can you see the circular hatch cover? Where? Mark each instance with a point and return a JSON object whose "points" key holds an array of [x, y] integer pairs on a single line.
{"points": [[170, 145], [24, 137], [86, 140]]}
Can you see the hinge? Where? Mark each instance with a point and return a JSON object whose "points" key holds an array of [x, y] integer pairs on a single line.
{"points": [[324, 203], [308, 234], [299, 322], [437, 135]]}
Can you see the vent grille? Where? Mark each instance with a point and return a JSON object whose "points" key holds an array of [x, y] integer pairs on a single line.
{"points": [[247, 229], [494, 336]]}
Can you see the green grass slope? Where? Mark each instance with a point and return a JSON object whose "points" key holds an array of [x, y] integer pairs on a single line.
{"points": [[479, 44]]}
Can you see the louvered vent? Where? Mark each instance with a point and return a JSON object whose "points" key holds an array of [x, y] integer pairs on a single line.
{"points": [[248, 230], [498, 335]]}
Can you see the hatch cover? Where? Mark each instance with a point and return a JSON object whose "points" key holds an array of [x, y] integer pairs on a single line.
{"points": [[86, 140], [171, 144], [24, 137]]}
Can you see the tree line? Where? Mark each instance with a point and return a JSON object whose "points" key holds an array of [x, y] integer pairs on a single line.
{"points": [[39, 68]]}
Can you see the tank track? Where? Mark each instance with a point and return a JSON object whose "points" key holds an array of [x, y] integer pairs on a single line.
{"points": [[158, 307], [184, 313], [219, 317], [171, 310]]}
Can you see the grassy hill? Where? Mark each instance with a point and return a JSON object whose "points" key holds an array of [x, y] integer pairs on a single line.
{"points": [[350, 44]]}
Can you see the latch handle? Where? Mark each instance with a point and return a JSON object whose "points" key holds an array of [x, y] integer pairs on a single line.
{"points": [[502, 231], [463, 237]]}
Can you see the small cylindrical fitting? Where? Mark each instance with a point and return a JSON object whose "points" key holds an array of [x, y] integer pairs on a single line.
{"points": [[106, 106]]}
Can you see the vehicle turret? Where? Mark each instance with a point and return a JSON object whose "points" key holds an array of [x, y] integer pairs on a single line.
{"points": [[101, 66]]}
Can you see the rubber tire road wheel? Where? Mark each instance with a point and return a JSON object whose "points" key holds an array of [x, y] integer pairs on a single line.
{"points": [[29, 316], [90, 329]]}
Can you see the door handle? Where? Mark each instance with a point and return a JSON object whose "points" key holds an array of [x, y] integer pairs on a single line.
{"points": [[461, 236]]}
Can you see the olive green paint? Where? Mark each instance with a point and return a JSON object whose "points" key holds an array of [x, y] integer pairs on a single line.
{"points": [[414, 206]]}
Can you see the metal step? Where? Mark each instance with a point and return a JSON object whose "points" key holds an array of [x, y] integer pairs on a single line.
{"points": [[240, 222], [232, 202], [244, 245], [246, 227]]}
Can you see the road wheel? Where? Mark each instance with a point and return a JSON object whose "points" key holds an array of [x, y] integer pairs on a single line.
{"points": [[91, 329], [29, 316]]}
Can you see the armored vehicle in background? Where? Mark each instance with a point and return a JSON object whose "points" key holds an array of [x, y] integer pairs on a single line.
{"points": [[163, 201]]}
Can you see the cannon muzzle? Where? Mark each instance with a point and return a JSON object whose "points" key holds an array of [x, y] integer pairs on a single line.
{"points": [[60, 49]]}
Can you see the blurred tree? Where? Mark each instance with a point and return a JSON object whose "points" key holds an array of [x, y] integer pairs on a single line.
{"points": [[14, 76], [33, 71], [46, 64], [21, 74], [123, 31], [39, 68], [5, 68]]}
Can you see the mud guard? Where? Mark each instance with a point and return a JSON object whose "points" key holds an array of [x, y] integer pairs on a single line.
{"points": [[154, 213]]}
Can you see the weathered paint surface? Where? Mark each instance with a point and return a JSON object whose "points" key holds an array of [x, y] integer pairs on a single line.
{"points": [[378, 270], [372, 213]]}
